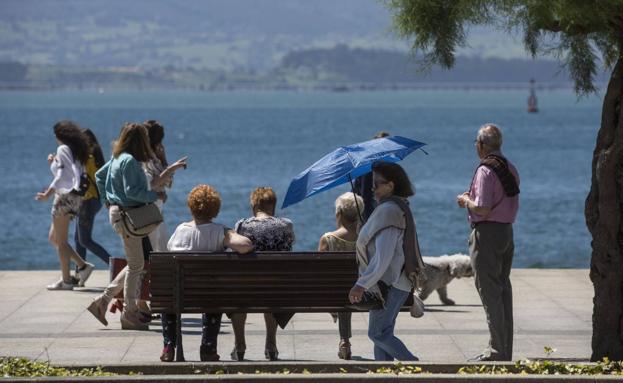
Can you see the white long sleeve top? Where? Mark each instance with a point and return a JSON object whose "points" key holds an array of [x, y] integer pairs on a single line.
{"points": [[66, 171]]}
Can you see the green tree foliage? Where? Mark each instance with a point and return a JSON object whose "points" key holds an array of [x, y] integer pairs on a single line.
{"points": [[577, 32], [580, 33]]}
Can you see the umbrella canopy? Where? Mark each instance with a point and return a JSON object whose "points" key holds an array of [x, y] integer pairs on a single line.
{"points": [[346, 163]]}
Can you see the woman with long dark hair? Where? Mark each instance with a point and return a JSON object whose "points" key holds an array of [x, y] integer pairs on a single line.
{"points": [[160, 177], [91, 203], [67, 166]]}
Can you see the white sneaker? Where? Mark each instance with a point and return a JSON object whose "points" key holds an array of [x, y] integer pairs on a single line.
{"points": [[85, 273], [60, 285]]}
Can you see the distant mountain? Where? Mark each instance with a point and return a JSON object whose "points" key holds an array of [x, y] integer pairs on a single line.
{"points": [[215, 34], [338, 68], [357, 65]]}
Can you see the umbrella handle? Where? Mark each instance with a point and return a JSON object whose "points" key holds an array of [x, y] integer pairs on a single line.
{"points": [[352, 188]]}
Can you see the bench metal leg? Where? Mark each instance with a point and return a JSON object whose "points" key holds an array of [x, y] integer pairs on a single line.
{"points": [[179, 349]]}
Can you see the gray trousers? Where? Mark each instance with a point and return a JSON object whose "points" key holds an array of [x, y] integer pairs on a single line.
{"points": [[491, 250]]}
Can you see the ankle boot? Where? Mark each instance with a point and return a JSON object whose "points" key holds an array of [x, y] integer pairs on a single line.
{"points": [[131, 321], [98, 309], [344, 350]]}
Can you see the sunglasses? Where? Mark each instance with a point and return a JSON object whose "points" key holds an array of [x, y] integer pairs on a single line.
{"points": [[377, 183]]}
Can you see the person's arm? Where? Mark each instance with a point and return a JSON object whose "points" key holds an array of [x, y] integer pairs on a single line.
{"points": [[385, 242], [291, 232], [64, 166], [135, 183], [63, 157], [100, 181], [237, 242], [470, 205], [322, 244], [483, 202], [164, 178]]}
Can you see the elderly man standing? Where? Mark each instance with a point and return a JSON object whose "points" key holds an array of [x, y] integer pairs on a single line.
{"points": [[492, 203]]}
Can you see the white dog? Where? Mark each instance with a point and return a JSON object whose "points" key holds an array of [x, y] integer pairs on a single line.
{"points": [[440, 271]]}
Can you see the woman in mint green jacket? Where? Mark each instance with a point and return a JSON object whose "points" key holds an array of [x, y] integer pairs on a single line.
{"points": [[122, 184]]}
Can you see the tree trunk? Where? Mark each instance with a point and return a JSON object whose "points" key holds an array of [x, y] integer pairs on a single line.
{"points": [[603, 211]]}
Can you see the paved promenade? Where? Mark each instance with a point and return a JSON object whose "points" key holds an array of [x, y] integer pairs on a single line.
{"points": [[552, 308]]}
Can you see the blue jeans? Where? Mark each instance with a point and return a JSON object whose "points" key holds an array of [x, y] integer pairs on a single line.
{"points": [[381, 328], [84, 229]]}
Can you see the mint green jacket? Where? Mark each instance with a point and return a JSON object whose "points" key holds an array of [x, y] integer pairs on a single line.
{"points": [[122, 181]]}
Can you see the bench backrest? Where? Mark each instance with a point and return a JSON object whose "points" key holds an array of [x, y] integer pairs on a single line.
{"points": [[259, 282]]}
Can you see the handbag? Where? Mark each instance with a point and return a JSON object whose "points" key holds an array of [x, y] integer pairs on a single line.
{"points": [[142, 220], [83, 185], [371, 301]]}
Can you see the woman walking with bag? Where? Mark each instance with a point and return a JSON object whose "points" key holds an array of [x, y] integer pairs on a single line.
{"points": [[123, 186], [67, 166], [159, 177], [91, 204], [389, 259]]}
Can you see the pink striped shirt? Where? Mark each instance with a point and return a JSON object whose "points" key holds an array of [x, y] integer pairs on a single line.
{"points": [[487, 191]]}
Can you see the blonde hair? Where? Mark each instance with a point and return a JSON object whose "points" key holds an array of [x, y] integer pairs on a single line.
{"points": [[204, 202], [346, 206], [263, 199]]}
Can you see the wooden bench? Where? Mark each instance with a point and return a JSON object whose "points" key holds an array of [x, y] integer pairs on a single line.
{"points": [[203, 282]]}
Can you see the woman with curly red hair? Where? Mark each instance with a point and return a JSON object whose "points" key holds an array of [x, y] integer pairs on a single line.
{"points": [[202, 234]]}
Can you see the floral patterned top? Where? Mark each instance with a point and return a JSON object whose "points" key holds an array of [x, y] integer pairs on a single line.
{"points": [[267, 234]]}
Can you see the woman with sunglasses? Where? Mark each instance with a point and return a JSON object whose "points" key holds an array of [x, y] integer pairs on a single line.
{"points": [[385, 246]]}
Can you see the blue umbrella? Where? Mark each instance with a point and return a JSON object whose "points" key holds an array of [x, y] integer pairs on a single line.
{"points": [[347, 163]]}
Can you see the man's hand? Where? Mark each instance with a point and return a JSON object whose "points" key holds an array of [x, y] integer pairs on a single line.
{"points": [[462, 200], [355, 294], [50, 158]]}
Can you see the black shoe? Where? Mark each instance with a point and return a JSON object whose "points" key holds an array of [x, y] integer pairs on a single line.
{"points": [[208, 354], [237, 355], [271, 354]]}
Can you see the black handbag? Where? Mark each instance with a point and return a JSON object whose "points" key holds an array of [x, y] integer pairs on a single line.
{"points": [[370, 301]]}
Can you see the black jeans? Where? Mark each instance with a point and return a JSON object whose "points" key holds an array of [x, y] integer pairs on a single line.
{"points": [[84, 230], [344, 321], [211, 325]]}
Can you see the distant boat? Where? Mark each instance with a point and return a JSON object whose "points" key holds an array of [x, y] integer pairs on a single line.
{"points": [[532, 102]]}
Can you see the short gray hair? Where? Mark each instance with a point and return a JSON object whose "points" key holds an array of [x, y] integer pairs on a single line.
{"points": [[346, 206], [490, 135]]}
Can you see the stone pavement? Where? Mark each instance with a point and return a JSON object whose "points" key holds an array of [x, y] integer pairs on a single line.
{"points": [[552, 308]]}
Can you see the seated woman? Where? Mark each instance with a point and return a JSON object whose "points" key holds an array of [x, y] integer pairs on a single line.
{"points": [[201, 233], [347, 210], [268, 233]]}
